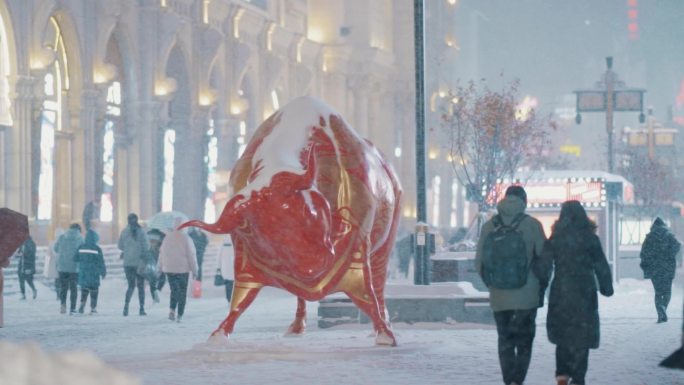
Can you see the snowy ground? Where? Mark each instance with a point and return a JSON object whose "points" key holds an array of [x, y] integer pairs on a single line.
{"points": [[158, 351]]}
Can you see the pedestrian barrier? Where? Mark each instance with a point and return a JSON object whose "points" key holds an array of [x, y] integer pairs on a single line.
{"points": [[113, 261]]}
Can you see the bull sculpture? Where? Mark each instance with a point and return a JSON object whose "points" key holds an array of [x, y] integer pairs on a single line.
{"points": [[315, 212]]}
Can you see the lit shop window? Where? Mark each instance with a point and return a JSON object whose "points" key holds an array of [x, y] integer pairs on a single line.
{"points": [[169, 155], [211, 161], [111, 117]]}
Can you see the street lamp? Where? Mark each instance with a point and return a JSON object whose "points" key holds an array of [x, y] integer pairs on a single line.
{"points": [[422, 256], [610, 95]]}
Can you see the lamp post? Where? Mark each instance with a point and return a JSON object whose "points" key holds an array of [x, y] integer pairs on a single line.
{"points": [[609, 96], [420, 246]]}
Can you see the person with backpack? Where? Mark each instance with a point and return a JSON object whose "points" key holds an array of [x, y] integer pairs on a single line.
{"points": [[508, 243], [574, 254], [91, 266], [658, 261]]}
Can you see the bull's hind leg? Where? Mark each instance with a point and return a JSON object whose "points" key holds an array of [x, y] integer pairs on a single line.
{"points": [[357, 285], [299, 324], [243, 296]]}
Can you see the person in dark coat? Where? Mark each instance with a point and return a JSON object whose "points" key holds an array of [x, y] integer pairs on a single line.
{"points": [[575, 255], [66, 248], [91, 267], [156, 238], [26, 267], [659, 261], [134, 247], [200, 241]]}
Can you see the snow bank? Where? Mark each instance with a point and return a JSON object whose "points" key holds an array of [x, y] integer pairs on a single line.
{"points": [[28, 364]]}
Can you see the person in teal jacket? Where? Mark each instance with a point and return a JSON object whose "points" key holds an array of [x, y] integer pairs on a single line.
{"points": [[91, 267]]}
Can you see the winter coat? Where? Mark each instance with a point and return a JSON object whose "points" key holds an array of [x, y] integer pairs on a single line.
{"points": [[579, 264], [526, 297], [200, 241], [66, 248], [659, 252], [91, 265], [177, 254], [226, 259], [27, 258], [134, 248]]}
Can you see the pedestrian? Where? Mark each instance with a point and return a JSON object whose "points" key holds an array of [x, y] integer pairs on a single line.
{"points": [[575, 256], [658, 261], [91, 267], [50, 269], [200, 241], [134, 247], [515, 309], [91, 213], [226, 261], [404, 252], [4, 262], [156, 237], [177, 259], [26, 267], [66, 248]]}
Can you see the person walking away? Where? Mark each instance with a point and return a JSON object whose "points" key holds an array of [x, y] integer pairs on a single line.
{"points": [[658, 261], [575, 256], [66, 248], [177, 259], [26, 267], [514, 303], [91, 267], [155, 237], [134, 247], [200, 241], [226, 261]]}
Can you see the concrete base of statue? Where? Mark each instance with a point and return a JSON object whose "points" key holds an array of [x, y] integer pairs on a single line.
{"points": [[448, 302]]}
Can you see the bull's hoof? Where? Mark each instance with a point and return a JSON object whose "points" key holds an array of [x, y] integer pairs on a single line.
{"points": [[296, 329], [217, 338], [385, 339]]}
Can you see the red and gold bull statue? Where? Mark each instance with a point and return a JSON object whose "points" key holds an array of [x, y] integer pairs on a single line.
{"points": [[315, 212]]}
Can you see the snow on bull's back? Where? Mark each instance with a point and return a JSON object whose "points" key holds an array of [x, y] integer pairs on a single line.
{"points": [[280, 150]]}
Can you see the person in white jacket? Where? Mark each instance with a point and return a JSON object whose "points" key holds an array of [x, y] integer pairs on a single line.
{"points": [[177, 260], [226, 259]]}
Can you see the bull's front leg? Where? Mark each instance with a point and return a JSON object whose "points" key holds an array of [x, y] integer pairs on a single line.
{"points": [[299, 324], [356, 284], [244, 294]]}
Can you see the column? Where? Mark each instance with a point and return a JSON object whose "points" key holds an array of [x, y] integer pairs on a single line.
{"points": [[17, 149]]}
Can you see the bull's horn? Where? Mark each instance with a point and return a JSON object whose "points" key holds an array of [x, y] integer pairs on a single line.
{"points": [[230, 218]]}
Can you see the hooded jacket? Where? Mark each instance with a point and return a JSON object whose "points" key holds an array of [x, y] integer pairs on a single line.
{"points": [[659, 251], [526, 297], [66, 248], [91, 265]]}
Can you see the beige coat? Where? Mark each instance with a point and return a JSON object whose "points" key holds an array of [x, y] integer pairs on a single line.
{"points": [[527, 297], [177, 254]]}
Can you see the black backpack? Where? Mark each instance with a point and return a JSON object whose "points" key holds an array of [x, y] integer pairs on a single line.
{"points": [[504, 255]]}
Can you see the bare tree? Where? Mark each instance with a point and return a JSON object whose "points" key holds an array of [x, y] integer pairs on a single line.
{"points": [[655, 184], [489, 137]]}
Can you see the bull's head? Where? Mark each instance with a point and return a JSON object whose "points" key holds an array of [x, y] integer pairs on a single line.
{"points": [[287, 222]]}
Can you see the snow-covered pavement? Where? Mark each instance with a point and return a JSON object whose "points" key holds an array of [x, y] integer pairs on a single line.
{"points": [[158, 351]]}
